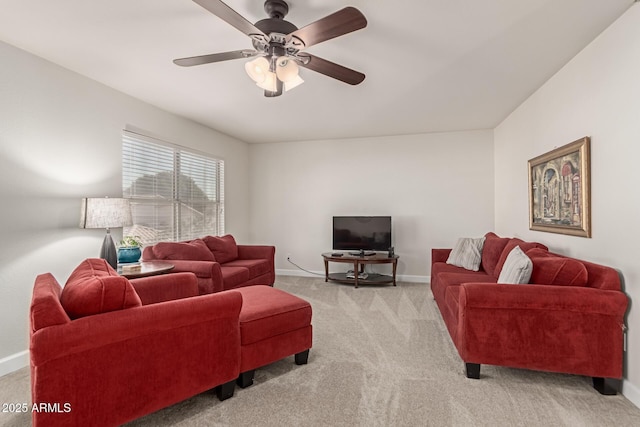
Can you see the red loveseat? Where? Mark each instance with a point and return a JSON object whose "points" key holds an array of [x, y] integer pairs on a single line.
{"points": [[106, 350], [218, 262], [569, 318]]}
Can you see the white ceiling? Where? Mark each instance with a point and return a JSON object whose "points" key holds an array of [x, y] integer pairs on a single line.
{"points": [[431, 65]]}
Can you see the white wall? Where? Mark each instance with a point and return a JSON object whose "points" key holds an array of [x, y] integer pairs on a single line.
{"points": [[598, 95], [60, 140], [436, 187]]}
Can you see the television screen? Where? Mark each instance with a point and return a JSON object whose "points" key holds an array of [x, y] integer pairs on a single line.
{"points": [[371, 233]]}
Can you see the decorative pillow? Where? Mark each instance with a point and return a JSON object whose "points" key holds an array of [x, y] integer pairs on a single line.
{"points": [[525, 246], [467, 253], [517, 268], [94, 288], [224, 248], [555, 270], [195, 250], [493, 247]]}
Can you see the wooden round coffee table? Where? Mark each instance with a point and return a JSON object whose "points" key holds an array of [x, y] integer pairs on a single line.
{"points": [[147, 268]]}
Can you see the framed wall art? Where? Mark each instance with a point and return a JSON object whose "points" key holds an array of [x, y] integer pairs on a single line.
{"points": [[559, 190]]}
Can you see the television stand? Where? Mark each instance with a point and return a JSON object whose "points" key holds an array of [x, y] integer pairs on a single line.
{"points": [[356, 276]]}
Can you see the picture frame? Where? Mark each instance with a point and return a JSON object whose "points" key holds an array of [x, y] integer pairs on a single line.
{"points": [[560, 190]]}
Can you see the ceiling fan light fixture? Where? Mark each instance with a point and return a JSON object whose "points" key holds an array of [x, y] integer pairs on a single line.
{"points": [[269, 83], [297, 81], [257, 69], [277, 44], [286, 69]]}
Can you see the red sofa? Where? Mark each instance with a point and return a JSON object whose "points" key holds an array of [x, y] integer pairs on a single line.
{"points": [[218, 262], [106, 350], [569, 318]]}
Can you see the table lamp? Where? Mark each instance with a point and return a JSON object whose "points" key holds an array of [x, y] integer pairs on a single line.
{"points": [[106, 213]]}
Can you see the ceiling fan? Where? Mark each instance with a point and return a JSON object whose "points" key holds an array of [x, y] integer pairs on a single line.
{"points": [[279, 45]]}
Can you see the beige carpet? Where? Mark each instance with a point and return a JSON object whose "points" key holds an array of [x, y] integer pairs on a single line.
{"points": [[381, 357]]}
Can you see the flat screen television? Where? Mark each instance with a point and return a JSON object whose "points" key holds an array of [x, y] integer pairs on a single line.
{"points": [[361, 233]]}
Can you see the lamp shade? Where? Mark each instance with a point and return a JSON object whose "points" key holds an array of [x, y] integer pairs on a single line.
{"points": [[105, 212], [293, 83], [257, 69], [286, 69], [269, 83]]}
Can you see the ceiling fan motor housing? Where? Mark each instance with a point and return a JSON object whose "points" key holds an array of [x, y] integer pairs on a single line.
{"points": [[276, 8], [274, 25], [275, 28]]}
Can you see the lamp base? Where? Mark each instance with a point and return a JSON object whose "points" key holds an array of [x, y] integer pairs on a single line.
{"points": [[108, 251]]}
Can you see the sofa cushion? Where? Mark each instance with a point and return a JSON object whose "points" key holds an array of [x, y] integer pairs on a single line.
{"points": [[467, 253], [233, 277], [94, 288], [223, 248], [549, 269], [446, 277], [517, 268], [525, 246], [195, 250], [268, 312], [451, 279], [452, 302], [256, 267], [491, 251]]}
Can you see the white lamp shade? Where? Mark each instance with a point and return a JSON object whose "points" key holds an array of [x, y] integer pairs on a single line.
{"points": [[286, 69], [105, 212], [269, 82], [257, 69], [293, 83]]}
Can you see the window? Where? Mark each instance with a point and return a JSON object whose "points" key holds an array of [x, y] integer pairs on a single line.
{"points": [[175, 194]]}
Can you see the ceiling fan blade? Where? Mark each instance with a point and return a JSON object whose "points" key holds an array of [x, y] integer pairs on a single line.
{"points": [[332, 69], [214, 57], [224, 12], [337, 24]]}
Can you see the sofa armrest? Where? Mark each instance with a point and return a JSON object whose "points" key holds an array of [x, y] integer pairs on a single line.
{"points": [[166, 287], [542, 297], [218, 312], [164, 352], [208, 273], [256, 252], [440, 255], [552, 328]]}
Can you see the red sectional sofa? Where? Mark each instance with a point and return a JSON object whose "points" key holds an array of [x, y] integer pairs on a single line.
{"points": [[218, 262], [569, 318], [106, 350]]}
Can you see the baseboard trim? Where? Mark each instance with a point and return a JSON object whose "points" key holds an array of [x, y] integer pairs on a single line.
{"points": [[631, 392], [399, 277], [14, 362], [413, 278], [299, 273]]}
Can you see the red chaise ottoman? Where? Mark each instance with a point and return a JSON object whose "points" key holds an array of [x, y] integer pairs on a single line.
{"points": [[273, 325]]}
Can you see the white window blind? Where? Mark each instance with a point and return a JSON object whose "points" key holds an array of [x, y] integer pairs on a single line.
{"points": [[175, 194]]}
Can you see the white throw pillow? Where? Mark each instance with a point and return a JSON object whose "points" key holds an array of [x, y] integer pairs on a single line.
{"points": [[467, 253], [517, 268]]}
